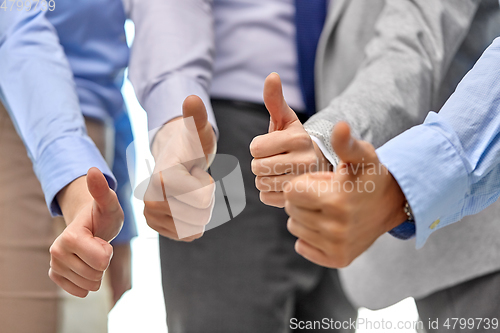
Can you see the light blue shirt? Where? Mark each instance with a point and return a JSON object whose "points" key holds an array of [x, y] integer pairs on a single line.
{"points": [[38, 91], [37, 85], [93, 37], [449, 167]]}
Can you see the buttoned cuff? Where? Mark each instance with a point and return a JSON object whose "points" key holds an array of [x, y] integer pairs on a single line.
{"points": [[431, 174], [404, 231], [164, 102], [65, 160]]}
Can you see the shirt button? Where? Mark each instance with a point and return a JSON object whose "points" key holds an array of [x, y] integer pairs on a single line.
{"points": [[435, 224]]}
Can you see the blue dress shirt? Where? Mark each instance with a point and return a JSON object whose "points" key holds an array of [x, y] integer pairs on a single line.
{"points": [[93, 37], [46, 105], [449, 167], [92, 34], [38, 91]]}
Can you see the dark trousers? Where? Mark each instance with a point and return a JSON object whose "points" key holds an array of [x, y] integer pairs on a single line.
{"points": [[468, 302], [245, 276]]}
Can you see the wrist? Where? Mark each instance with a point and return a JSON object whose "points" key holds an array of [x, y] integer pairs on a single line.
{"points": [[73, 198], [165, 134], [323, 163], [398, 213]]}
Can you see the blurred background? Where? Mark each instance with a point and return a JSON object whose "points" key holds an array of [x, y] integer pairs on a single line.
{"points": [[142, 309]]}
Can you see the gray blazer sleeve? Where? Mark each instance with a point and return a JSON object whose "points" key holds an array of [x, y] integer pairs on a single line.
{"points": [[404, 63]]}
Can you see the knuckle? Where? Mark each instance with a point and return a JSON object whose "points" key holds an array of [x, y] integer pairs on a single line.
{"points": [[102, 263], [258, 183], [305, 164], [309, 161], [301, 139], [269, 184], [151, 206], [291, 226], [96, 276], [256, 147], [336, 206], [94, 286], [151, 222], [257, 167], [81, 294], [56, 252], [264, 197], [53, 276], [311, 158], [69, 238], [54, 264]]}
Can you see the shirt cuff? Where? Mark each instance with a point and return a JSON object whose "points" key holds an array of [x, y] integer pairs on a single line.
{"points": [[333, 159], [431, 174], [404, 231], [164, 102], [129, 229], [65, 160]]}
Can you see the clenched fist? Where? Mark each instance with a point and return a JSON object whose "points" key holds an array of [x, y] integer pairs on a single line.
{"points": [[181, 194], [337, 216], [286, 151], [81, 254]]}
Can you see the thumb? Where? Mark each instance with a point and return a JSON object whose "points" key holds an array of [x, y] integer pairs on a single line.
{"points": [[104, 197], [193, 107], [281, 113], [347, 148]]}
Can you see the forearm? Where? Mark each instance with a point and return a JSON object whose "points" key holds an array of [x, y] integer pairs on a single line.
{"points": [[37, 88]]}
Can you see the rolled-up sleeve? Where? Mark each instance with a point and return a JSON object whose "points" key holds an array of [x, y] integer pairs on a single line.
{"points": [[38, 91]]}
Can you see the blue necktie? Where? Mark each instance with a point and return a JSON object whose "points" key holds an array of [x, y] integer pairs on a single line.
{"points": [[310, 18]]}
